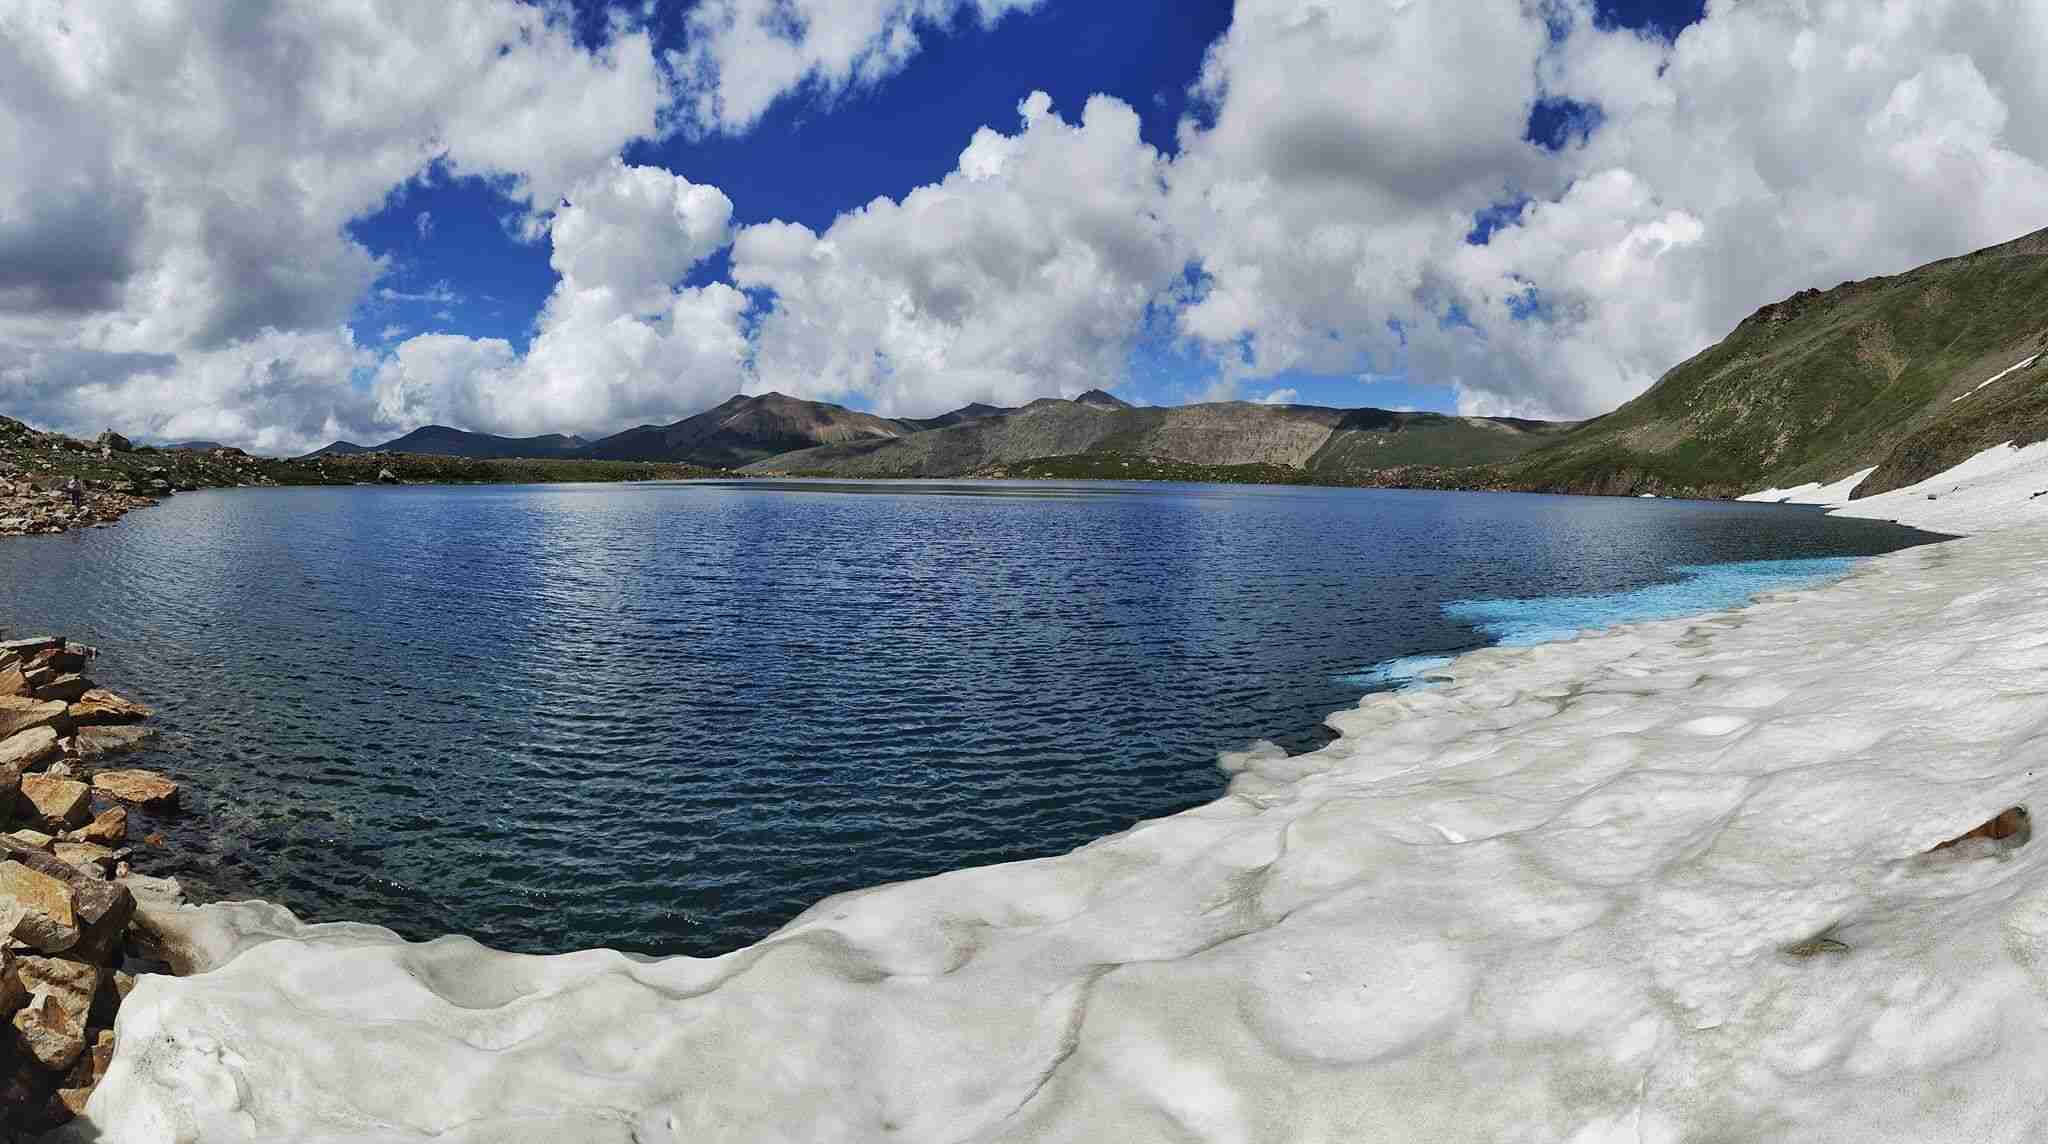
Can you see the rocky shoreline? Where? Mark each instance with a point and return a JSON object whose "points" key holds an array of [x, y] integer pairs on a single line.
{"points": [[68, 893]]}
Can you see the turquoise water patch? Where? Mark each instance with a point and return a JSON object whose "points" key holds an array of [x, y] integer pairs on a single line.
{"points": [[1407, 671], [1701, 588]]}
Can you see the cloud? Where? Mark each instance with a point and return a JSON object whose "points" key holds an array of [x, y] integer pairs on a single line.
{"points": [[618, 340], [1329, 185], [424, 223], [440, 293], [743, 55], [1285, 396], [1026, 272], [196, 163]]}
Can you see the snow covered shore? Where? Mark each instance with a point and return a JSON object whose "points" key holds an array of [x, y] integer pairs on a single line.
{"points": [[1676, 881]]}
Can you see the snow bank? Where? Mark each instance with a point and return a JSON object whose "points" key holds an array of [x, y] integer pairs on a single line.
{"points": [[2000, 376], [1816, 493], [1669, 882]]}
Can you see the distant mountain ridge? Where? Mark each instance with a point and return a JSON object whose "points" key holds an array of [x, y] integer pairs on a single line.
{"points": [[443, 441], [776, 433], [1338, 445]]}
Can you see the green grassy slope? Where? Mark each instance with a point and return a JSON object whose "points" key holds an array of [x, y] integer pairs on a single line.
{"points": [[1829, 383]]}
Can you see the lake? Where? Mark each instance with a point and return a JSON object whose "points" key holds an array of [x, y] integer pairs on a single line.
{"points": [[667, 717]]}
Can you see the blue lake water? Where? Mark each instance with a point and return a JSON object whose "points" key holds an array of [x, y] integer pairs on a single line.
{"points": [[668, 717]]}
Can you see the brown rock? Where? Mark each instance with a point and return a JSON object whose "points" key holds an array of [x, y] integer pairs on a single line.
{"points": [[12, 681], [28, 647], [12, 995], [20, 713], [41, 909], [103, 908], [92, 742], [33, 839], [65, 688], [37, 675], [110, 826], [100, 707], [91, 857], [54, 803], [30, 748], [145, 787], [46, 1035], [71, 984]]}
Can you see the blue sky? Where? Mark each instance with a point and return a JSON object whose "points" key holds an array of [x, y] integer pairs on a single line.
{"points": [[810, 159]]}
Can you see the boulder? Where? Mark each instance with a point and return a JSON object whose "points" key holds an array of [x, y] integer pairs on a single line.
{"points": [[145, 787], [65, 688], [33, 839], [30, 646], [41, 909], [99, 742], [114, 441], [109, 827], [100, 707], [386, 477], [96, 860], [54, 803], [46, 1035], [20, 713], [30, 748], [12, 680], [102, 908], [12, 995]]}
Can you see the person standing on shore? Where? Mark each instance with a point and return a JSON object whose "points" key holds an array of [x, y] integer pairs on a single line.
{"points": [[77, 492]]}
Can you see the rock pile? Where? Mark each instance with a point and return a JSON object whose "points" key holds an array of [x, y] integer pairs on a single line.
{"points": [[26, 508], [64, 911]]}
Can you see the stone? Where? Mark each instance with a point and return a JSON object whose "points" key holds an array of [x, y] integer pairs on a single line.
{"points": [[12, 995], [386, 477], [30, 748], [44, 908], [66, 688], [58, 770], [54, 803], [96, 860], [29, 647], [108, 827], [145, 787], [20, 713], [71, 983], [100, 707], [12, 681], [33, 839], [103, 908], [46, 1035], [38, 675], [96, 742], [114, 441]]}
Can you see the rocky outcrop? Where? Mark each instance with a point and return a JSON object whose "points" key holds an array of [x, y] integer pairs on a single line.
{"points": [[65, 911], [141, 787]]}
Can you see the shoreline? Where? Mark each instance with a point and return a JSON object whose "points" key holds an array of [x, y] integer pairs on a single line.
{"points": [[993, 980]]}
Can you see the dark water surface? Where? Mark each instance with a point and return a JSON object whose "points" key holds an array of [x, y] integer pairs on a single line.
{"points": [[668, 717]]}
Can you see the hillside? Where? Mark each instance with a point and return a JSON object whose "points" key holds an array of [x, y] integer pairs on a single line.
{"points": [[1879, 374], [1332, 445], [744, 429], [442, 441]]}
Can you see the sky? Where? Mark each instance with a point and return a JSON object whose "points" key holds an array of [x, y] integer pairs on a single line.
{"points": [[275, 225]]}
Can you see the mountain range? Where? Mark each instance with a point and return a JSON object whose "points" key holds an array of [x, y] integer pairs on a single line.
{"points": [[773, 433], [1903, 375]]}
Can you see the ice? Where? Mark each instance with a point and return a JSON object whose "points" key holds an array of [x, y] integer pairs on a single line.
{"points": [[1833, 492], [1667, 882], [1407, 671], [1699, 588]]}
